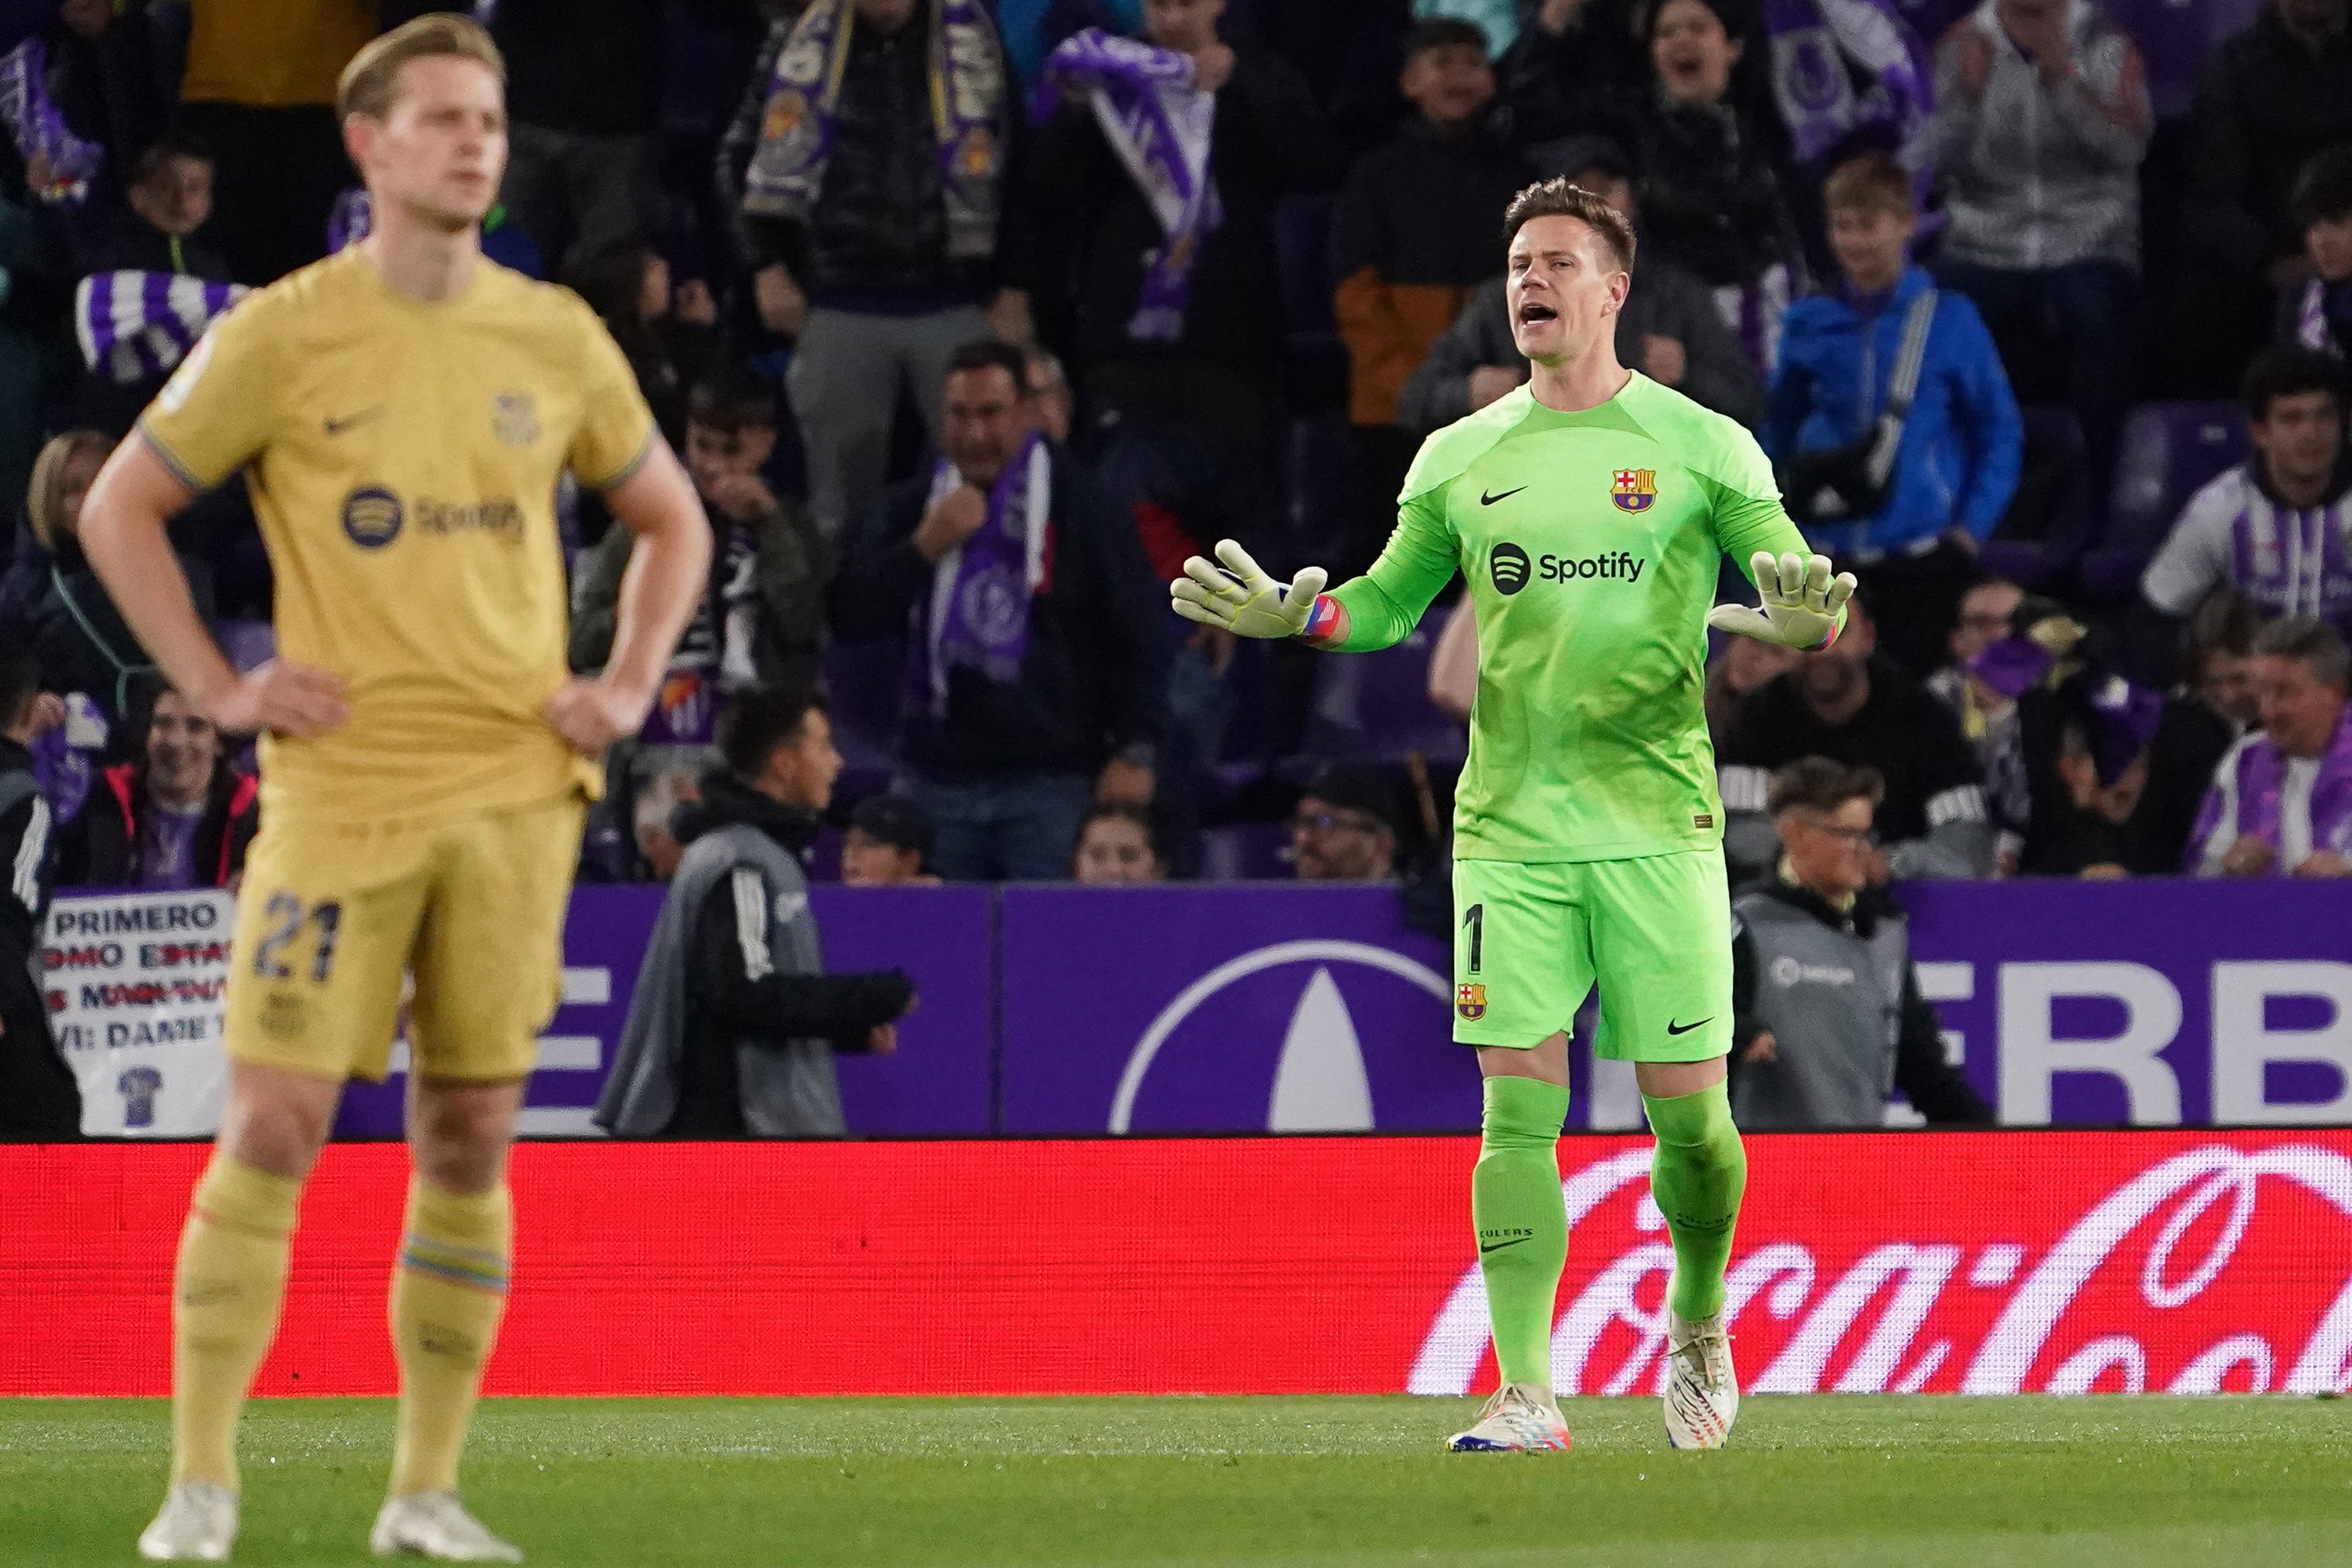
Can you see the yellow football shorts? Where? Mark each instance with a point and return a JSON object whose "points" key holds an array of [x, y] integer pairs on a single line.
{"points": [[331, 915]]}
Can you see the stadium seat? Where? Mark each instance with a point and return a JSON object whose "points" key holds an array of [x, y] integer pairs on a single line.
{"points": [[2168, 450], [1246, 852], [1318, 458], [863, 683], [2047, 523], [1375, 706], [1315, 360], [248, 644]]}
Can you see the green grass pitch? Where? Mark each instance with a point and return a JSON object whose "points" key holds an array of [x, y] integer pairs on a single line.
{"points": [[1829, 1481]]}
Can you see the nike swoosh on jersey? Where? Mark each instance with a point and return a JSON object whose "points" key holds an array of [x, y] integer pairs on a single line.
{"points": [[1486, 499], [1500, 1245], [337, 426], [1674, 1028]]}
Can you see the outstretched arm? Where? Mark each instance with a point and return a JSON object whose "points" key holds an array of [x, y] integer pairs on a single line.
{"points": [[1375, 611]]}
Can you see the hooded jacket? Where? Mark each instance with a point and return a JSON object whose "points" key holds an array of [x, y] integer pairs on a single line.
{"points": [[103, 847], [2040, 174], [733, 1024], [1837, 991], [1957, 466]]}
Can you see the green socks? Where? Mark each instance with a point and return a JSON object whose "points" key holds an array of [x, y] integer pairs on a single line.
{"points": [[1522, 1223], [1697, 1175]]}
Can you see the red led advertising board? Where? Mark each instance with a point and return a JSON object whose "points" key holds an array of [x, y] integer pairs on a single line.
{"points": [[1987, 1262]]}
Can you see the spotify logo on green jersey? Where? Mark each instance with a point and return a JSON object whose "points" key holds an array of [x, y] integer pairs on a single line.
{"points": [[1511, 568]]}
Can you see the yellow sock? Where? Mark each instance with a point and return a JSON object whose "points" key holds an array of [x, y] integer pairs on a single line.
{"points": [[448, 1293], [224, 1299]]}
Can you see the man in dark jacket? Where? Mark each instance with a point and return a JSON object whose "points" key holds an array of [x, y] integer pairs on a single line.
{"points": [[39, 1097], [584, 83], [1827, 1014], [876, 169], [1037, 650], [180, 816], [1669, 327], [1269, 140], [2270, 98], [1852, 703], [733, 1025]]}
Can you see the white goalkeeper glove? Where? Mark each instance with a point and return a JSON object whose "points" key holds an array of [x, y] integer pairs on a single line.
{"points": [[1241, 598], [1801, 601]]}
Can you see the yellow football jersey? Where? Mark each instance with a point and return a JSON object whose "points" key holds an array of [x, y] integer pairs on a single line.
{"points": [[403, 458]]}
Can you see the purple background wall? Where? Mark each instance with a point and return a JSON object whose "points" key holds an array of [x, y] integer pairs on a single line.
{"points": [[1281, 1007]]}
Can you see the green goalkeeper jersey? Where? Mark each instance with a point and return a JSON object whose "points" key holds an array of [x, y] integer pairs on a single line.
{"points": [[1591, 542]]}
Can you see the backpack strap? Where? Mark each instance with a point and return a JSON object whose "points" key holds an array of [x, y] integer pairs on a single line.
{"points": [[1902, 386]]}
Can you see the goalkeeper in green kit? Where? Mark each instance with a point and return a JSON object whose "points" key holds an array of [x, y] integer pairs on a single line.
{"points": [[1589, 511]]}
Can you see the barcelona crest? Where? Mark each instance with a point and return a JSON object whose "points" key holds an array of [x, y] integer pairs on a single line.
{"points": [[1470, 1002], [1635, 488]]}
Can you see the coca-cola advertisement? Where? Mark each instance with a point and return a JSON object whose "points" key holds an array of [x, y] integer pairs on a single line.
{"points": [[1981, 1263]]}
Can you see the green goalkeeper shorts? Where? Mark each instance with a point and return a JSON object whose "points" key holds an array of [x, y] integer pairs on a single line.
{"points": [[1531, 940]]}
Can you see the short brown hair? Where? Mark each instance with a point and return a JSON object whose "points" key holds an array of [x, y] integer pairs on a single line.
{"points": [[1868, 181], [1560, 198], [367, 83], [1822, 784]]}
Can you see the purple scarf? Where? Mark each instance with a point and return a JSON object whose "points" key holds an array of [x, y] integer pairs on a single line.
{"points": [[977, 617], [2262, 782], [804, 117], [1821, 49], [137, 325], [350, 219], [66, 759], [40, 129], [1160, 125]]}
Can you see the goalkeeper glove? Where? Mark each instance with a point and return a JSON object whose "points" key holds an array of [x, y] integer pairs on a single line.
{"points": [[1241, 598], [1802, 602]]}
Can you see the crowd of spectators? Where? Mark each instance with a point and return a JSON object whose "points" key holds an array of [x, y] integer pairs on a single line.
{"points": [[971, 319]]}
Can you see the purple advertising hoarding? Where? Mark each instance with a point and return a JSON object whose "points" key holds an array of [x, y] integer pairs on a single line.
{"points": [[1266, 1007], [1202, 1009], [938, 1082]]}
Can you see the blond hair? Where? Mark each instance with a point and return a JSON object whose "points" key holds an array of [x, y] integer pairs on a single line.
{"points": [[45, 498], [1868, 181], [368, 83]]}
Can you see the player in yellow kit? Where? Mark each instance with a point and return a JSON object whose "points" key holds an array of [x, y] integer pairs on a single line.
{"points": [[403, 411]]}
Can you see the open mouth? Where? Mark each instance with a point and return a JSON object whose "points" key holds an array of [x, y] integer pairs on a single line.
{"points": [[1532, 313]]}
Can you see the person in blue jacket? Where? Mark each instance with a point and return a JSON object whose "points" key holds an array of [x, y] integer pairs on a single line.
{"points": [[1904, 488]]}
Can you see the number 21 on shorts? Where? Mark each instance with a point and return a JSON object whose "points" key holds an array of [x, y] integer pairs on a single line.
{"points": [[288, 917]]}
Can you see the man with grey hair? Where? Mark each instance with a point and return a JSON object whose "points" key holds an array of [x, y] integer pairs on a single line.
{"points": [[2282, 799], [1828, 1017]]}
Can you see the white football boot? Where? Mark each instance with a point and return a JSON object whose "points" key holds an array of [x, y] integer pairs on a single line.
{"points": [[1702, 1391], [1521, 1419], [436, 1525], [197, 1524]]}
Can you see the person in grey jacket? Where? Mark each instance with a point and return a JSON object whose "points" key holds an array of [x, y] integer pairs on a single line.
{"points": [[1669, 328], [1827, 1014], [2041, 121], [733, 1026]]}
